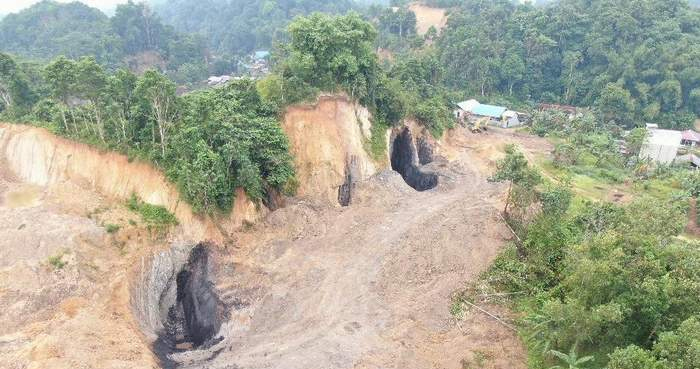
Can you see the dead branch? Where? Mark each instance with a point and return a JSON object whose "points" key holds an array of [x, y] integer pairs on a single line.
{"points": [[491, 315]]}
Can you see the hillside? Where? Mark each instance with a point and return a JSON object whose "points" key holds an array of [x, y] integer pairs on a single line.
{"points": [[240, 26], [49, 29], [368, 284]]}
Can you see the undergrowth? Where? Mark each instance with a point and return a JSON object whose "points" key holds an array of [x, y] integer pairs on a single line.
{"points": [[155, 217]]}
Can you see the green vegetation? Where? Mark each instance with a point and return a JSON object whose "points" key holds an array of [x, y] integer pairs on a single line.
{"points": [[208, 143], [15, 94], [397, 29], [229, 138], [597, 269], [328, 53], [632, 60], [50, 29], [599, 284], [56, 261], [155, 217], [238, 27], [420, 80], [112, 228]]}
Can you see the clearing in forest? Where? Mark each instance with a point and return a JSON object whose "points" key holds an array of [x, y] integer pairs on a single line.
{"points": [[427, 16]]}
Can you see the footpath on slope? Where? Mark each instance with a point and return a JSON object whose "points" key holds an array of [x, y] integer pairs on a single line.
{"points": [[368, 286]]}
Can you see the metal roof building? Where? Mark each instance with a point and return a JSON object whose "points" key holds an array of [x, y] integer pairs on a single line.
{"points": [[261, 54], [690, 135], [468, 105], [489, 111], [661, 145]]}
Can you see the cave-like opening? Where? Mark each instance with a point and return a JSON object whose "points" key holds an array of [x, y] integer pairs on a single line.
{"points": [[404, 160], [195, 317]]}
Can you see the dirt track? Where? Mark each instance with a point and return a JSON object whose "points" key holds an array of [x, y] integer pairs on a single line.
{"points": [[368, 286]]}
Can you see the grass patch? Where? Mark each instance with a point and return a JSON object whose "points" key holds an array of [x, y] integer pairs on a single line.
{"points": [[376, 145], [56, 261], [112, 228], [155, 217]]}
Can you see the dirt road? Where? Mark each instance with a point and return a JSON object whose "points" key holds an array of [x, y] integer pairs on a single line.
{"points": [[367, 286]]}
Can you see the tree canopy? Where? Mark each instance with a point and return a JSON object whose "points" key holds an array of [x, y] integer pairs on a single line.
{"points": [[635, 60], [49, 29], [237, 27]]}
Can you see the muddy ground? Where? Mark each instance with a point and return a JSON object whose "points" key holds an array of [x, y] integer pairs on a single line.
{"points": [[364, 286]]}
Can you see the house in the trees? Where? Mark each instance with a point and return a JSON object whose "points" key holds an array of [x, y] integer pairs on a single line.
{"points": [[261, 55], [690, 138], [471, 110], [218, 80], [495, 113], [464, 109], [661, 145]]}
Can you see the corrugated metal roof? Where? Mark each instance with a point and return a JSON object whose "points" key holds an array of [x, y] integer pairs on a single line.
{"points": [[488, 110], [468, 105], [262, 54]]}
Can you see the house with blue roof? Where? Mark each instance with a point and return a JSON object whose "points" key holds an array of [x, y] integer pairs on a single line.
{"points": [[491, 111], [498, 115], [262, 54]]}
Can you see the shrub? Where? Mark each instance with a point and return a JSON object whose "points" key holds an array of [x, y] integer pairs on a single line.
{"points": [[57, 261], [112, 228], [155, 217]]}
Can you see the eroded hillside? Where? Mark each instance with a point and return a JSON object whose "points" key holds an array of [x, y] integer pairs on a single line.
{"points": [[310, 285]]}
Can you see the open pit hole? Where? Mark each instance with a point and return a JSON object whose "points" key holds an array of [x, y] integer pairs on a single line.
{"points": [[404, 160], [194, 318]]}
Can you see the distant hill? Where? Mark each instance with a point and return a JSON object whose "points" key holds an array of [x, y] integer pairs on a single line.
{"points": [[48, 28], [241, 26], [133, 36]]}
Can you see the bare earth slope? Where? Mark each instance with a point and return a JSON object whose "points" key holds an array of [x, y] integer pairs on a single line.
{"points": [[367, 286], [427, 17], [310, 286]]}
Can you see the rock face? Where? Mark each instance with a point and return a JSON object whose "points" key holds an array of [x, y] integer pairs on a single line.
{"points": [[327, 140], [39, 157]]}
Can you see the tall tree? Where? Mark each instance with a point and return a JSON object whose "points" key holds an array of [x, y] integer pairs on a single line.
{"points": [[61, 78], [158, 92], [14, 87]]}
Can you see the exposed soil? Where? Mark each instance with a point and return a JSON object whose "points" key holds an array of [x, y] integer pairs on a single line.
{"points": [[363, 286], [427, 16], [63, 291], [693, 227]]}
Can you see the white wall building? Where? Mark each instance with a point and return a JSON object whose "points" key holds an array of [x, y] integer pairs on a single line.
{"points": [[661, 145]]}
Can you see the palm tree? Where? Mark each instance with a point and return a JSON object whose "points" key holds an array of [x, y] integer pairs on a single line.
{"points": [[571, 359]]}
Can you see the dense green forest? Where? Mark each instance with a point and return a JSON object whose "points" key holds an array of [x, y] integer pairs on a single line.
{"points": [[237, 27], [633, 60], [209, 142], [133, 37]]}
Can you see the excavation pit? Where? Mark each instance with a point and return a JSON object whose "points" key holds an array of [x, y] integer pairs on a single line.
{"points": [[186, 312], [404, 160]]}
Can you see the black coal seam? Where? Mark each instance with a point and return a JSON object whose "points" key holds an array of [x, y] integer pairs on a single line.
{"points": [[345, 190], [403, 160], [197, 313]]}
